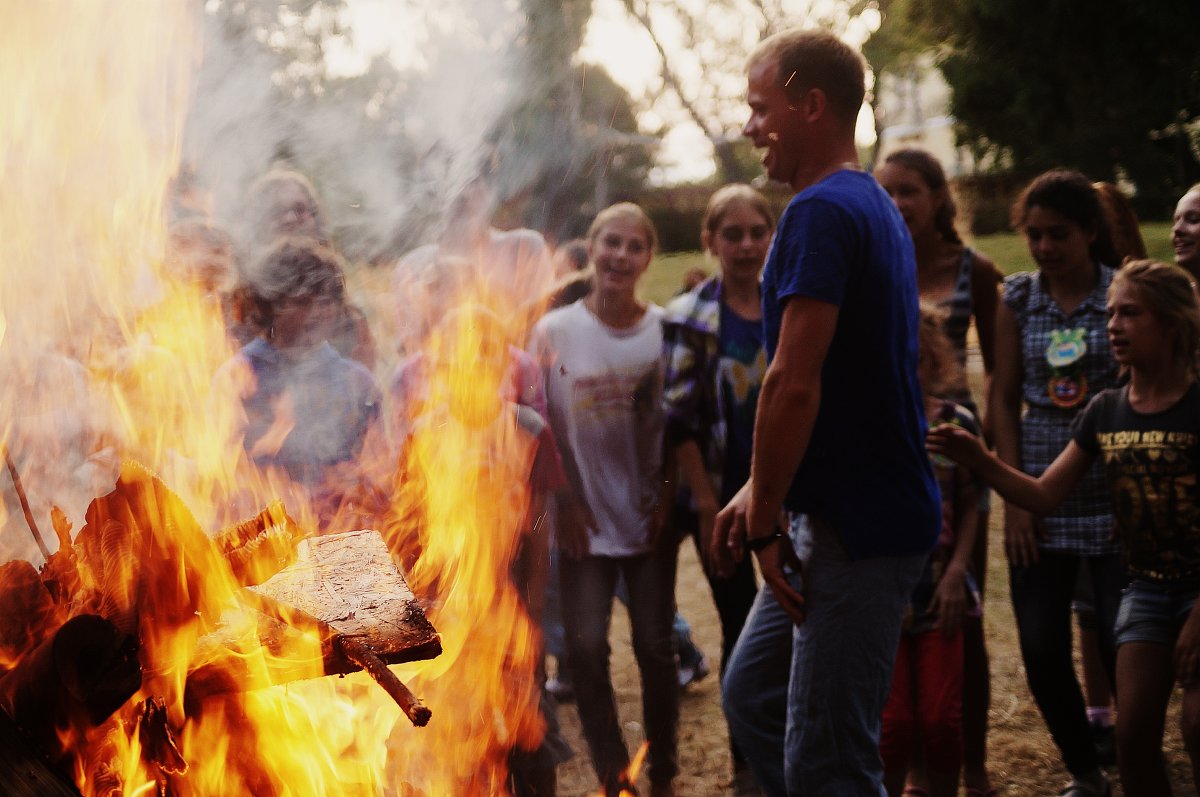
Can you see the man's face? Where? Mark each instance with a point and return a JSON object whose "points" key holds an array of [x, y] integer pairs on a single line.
{"points": [[774, 123]]}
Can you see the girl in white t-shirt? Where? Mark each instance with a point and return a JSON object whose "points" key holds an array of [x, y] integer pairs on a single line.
{"points": [[601, 358]]}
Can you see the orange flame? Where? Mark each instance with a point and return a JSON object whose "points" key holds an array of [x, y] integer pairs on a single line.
{"points": [[110, 355]]}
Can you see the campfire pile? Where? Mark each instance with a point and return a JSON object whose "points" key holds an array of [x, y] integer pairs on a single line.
{"points": [[138, 626]]}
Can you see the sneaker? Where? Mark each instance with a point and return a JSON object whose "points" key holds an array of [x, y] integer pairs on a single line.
{"points": [[1105, 739], [1088, 788], [691, 674], [561, 689]]}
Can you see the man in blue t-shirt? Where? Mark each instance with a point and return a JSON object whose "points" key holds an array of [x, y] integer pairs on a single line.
{"points": [[838, 441]]}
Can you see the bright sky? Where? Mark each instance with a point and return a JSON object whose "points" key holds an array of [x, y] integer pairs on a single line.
{"points": [[613, 40]]}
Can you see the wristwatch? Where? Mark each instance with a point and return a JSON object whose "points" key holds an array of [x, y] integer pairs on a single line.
{"points": [[756, 544]]}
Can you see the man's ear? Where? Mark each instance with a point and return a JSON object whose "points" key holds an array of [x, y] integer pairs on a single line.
{"points": [[812, 104]]}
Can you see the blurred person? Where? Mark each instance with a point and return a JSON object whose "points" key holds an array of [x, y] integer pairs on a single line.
{"points": [[965, 284], [922, 722], [809, 677], [1052, 355], [601, 358], [284, 204], [1185, 232], [570, 258], [512, 269], [715, 362], [308, 411]]}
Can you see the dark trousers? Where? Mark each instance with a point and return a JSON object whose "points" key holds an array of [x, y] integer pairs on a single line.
{"points": [[1041, 597], [588, 586]]}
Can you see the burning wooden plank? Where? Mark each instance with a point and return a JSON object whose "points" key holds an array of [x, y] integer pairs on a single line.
{"points": [[343, 588]]}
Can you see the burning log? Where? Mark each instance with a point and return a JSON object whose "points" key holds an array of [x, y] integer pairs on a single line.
{"points": [[71, 683], [345, 590]]}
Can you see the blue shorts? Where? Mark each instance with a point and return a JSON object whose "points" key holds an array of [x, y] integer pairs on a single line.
{"points": [[1153, 612]]}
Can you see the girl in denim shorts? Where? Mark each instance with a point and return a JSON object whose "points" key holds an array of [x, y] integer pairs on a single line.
{"points": [[1147, 436]]}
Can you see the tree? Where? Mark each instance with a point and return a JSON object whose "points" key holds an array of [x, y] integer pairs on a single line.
{"points": [[702, 47], [1112, 91]]}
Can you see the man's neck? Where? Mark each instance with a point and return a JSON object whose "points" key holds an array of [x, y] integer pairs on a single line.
{"points": [[841, 156]]}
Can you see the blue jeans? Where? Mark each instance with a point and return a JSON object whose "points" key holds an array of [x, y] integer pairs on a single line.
{"points": [[1041, 599], [805, 702], [588, 586]]}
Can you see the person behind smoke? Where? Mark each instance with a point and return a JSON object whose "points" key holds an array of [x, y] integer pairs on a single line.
{"points": [[200, 254], [512, 268], [308, 410], [284, 203]]}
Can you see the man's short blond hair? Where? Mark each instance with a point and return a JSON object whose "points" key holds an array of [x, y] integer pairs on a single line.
{"points": [[816, 59]]}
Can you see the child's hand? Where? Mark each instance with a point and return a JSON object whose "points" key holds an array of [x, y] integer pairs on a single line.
{"points": [[575, 522], [1187, 653], [949, 601], [955, 442]]}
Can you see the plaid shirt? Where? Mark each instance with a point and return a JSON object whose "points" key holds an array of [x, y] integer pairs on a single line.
{"points": [[1083, 523], [691, 352]]}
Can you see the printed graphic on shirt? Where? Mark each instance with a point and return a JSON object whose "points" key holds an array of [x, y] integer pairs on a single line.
{"points": [[1153, 476]]}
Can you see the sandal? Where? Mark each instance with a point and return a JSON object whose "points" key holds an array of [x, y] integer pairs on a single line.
{"points": [[914, 791]]}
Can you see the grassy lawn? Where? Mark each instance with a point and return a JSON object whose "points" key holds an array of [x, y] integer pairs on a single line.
{"points": [[1007, 251]]}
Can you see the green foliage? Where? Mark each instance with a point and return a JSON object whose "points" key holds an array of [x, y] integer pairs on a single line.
{"points": [[1107, 89]]}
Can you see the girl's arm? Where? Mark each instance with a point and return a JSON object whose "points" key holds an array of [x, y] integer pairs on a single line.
{"points": [[1040, 496], [985, 293], [1004, 418], [695, 476], [950, 597], [1187, 650]]}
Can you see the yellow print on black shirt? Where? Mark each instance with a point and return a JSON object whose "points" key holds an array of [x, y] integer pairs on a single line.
{"points": [[1153, 477]]}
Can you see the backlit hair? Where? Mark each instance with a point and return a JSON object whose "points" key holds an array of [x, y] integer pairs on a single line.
{"points": [[626, 211], [729, 196], [935, 344], [1122, 223], [1072, 195], [929, 169], [816, 59], [1170, 295]]}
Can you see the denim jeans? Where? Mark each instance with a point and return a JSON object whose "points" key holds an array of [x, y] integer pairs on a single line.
{"points": [[588, 586], [805, 702], [1041, 598]]}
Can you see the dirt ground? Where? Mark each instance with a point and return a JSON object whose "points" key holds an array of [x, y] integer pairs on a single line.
{"points": [[1023, 758]]}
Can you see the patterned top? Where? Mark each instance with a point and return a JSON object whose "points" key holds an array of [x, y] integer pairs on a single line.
{"points": [[1066, 359], [959, 307], [694, 401]]}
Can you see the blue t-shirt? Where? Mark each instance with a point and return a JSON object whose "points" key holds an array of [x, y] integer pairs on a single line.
{"points": [[866, 470], [740, 367]]}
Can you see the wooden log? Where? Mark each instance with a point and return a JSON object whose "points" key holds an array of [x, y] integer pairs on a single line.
{"points": [[73, 681], [341, 585], [24, 773]]}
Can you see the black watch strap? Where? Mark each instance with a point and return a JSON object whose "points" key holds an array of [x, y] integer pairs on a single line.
{"points": [[758, 543]]}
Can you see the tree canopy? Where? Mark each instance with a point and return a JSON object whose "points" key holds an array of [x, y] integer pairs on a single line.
{"points": [[1112, 89]]}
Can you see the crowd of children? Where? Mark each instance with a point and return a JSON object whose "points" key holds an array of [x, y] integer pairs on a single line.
{"points": [[647, 414]]}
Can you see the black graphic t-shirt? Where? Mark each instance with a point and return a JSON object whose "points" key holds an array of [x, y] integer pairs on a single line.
{"points": [[1150, 463]]}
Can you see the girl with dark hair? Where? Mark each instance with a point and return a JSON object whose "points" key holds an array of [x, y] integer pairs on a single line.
{"points": [[308, 411], [963, 283], [284, 204], [1052, 355]]}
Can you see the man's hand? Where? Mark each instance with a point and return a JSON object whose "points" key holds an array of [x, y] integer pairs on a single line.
{"points": [[575, 522], [771, 561], [725, 549]]}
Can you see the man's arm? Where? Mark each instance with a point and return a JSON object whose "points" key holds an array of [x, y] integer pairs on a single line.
{"points": [[787, 411], [787, 407]]}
